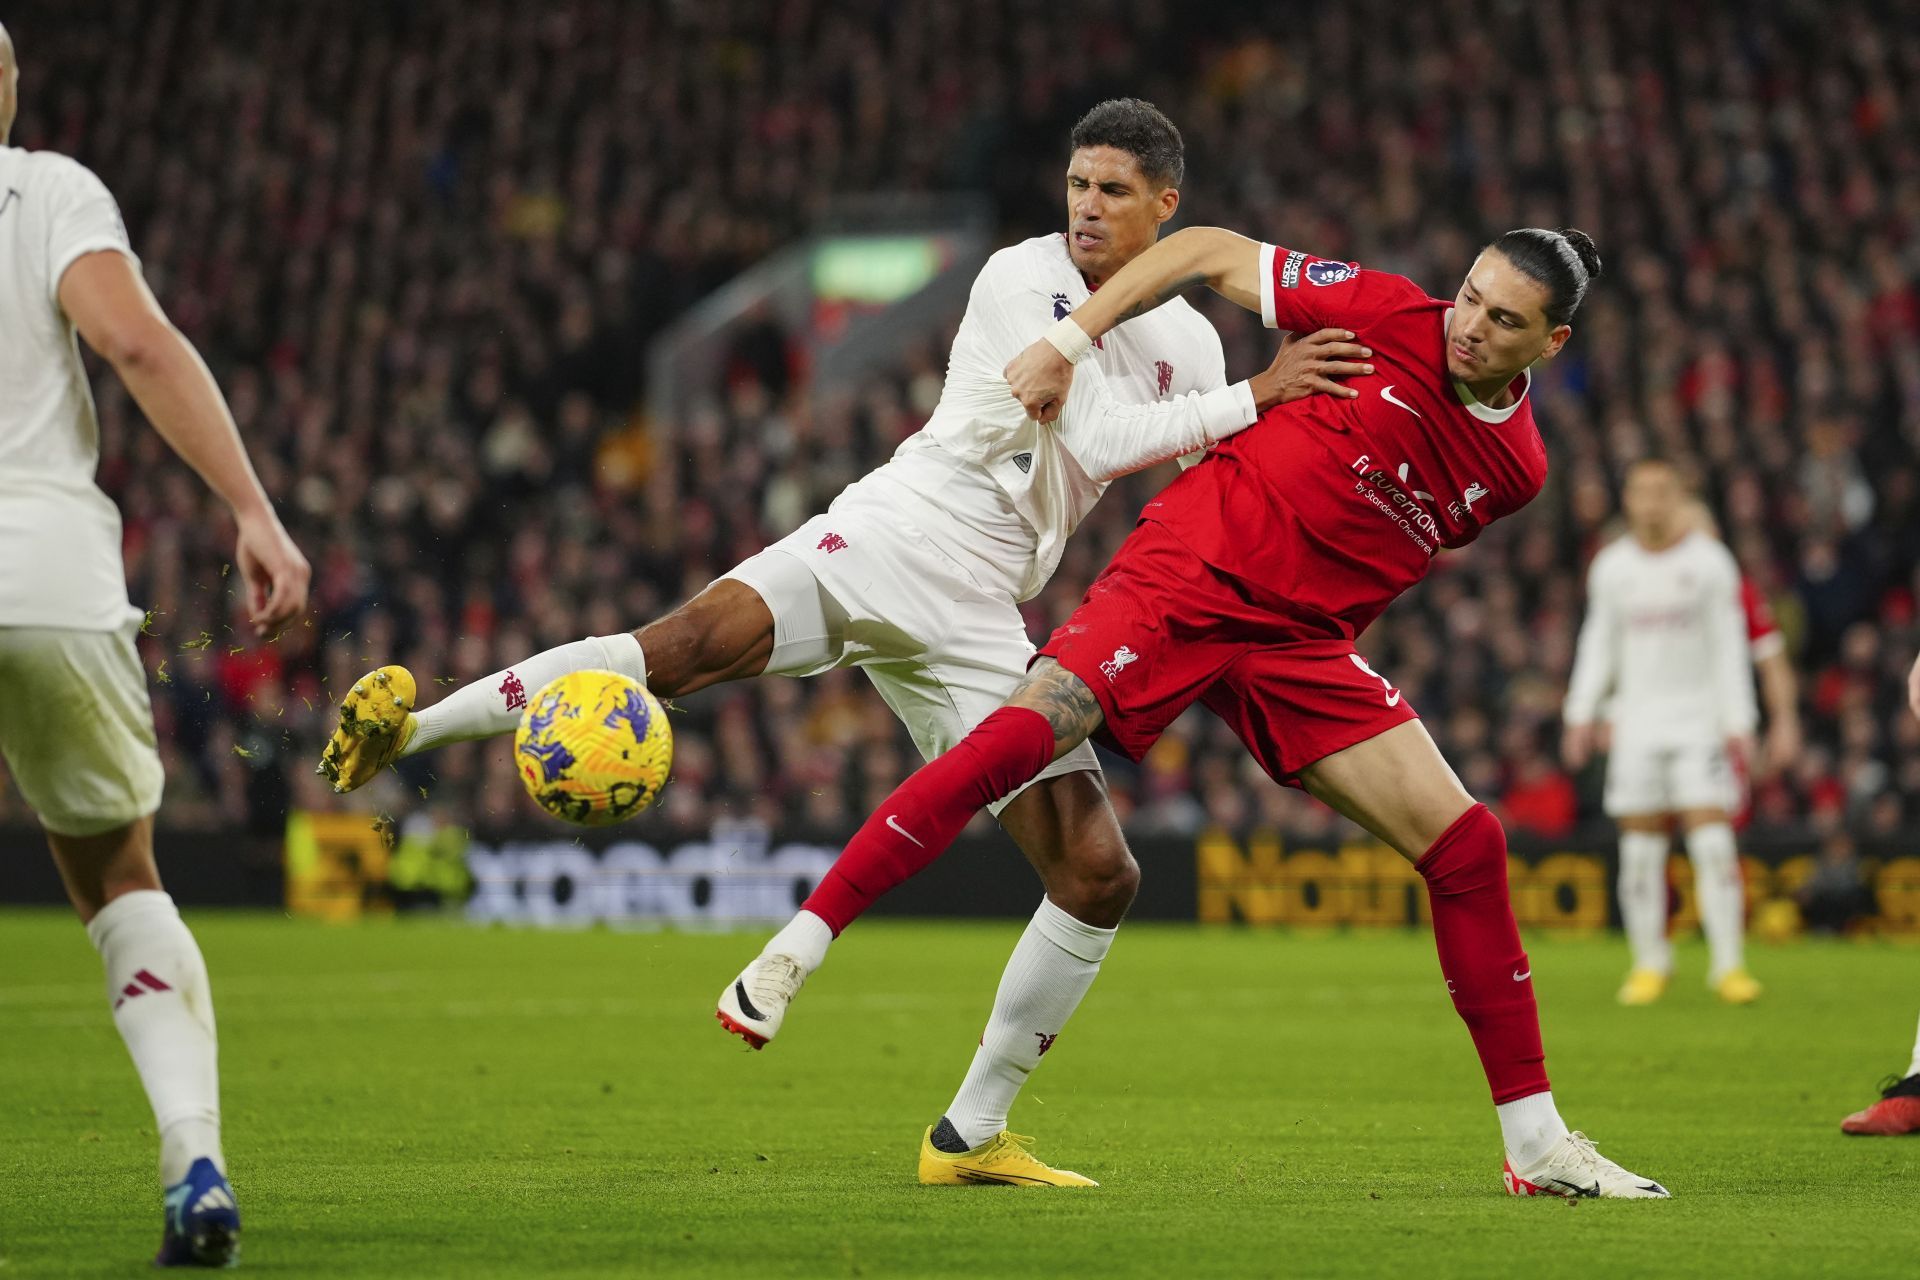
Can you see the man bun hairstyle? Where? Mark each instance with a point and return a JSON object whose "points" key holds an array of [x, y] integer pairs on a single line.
{"points": [[1142, 131], [1566, 261]]}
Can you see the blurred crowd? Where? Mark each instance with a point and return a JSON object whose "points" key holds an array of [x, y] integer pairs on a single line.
{"points": [[424, 248]]}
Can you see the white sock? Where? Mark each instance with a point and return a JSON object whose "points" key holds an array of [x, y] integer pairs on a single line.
{"points": [[806, 938], [492, 705], [1530, 1127], [1048, 974], [163, 1006], [1643, 899], [1721, 894], [1914, 1070]]}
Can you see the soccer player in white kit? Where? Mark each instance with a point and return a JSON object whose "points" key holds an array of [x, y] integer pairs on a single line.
{"points": [[914, 574], [76, 728], [1666, 637]]}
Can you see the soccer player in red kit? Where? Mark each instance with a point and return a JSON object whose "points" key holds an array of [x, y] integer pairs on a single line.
{"points": [[1247, 579]]}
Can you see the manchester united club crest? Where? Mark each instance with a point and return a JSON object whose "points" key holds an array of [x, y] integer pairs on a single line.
{"points": [[1164, 372]]}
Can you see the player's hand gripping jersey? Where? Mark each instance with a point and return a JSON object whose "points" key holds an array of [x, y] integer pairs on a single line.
{"points": [[1329, 508]]}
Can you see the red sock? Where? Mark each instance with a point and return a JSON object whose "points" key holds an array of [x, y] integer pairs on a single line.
{"points": [[1487, 973], [924, 814]]}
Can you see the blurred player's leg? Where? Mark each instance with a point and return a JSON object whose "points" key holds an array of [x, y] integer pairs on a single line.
{"points": [[1643, 907], [79, 739], [1723, 903]]}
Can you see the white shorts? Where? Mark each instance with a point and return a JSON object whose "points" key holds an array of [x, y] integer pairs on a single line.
{"points": [[1643, 780], [76, 727], [859, 587]]}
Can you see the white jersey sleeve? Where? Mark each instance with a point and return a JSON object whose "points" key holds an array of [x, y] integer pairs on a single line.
{"points": [[1730, 651], [82, 218], [1107, 437], [1596, 656]]}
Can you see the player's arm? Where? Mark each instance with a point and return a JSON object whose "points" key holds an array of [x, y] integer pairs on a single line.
{"points": [[110, 304], [1780, 694], [1595, 663], [1110, 438], [1732, 655], [1239, 269]]}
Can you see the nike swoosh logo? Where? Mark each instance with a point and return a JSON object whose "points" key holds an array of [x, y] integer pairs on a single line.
{"points": [[1386, 393], [892, 822], [1522, 977], [1393, 698], [746, 1005], [1577, 1189]]}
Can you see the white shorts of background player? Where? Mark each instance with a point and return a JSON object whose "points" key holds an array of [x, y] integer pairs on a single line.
{"points": [[1668, 777]]}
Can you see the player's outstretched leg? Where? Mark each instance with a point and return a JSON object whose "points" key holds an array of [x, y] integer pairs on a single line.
{"points": [[724, 633], [1050, 714], [912, 827], [1898, 1111], [163, 1009], [1397, 786]]}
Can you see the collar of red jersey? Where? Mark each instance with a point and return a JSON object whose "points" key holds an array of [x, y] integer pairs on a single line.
{"points": [[1472, 405]]}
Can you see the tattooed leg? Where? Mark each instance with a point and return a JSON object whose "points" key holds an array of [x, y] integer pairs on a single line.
{"points": [[1064, 699]]}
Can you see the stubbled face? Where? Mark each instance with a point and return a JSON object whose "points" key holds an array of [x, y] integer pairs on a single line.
{"points": [[1113, 211], [1655, 502], [1499, 324]]}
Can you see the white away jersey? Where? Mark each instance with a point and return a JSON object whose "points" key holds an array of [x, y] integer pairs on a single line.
{"points": [[1007, 491], [1666, 635], [60, 560]]}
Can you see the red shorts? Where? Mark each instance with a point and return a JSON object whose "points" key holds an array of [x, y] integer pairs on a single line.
{"points": [[1160, 629]]}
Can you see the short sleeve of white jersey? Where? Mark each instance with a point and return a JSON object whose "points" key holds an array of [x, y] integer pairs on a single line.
{"points": [[82, 218]]}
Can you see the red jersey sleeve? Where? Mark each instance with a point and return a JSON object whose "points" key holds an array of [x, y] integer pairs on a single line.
{"points": [[1300, 292], [1763, 633]]}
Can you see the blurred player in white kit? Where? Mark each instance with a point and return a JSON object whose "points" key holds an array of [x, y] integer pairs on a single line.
{"points": [[76, 728], [1665, 639]]}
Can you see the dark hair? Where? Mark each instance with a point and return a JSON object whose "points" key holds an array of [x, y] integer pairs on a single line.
{"points": [[1565, 261], [1142, 131]]}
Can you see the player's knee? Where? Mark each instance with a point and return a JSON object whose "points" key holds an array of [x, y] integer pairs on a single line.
{"points": [[1471, 854], [675, 653], [1098, 883]]}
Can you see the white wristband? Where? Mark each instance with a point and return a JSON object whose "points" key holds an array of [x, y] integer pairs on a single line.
{"points": [[1069, 339]]}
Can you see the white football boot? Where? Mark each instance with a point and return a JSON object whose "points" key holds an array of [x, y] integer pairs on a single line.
{"points": [[1575, 1168], [755, 1004]]}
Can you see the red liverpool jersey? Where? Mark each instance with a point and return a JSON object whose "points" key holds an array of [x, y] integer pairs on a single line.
{"points": [[1328, 508]]}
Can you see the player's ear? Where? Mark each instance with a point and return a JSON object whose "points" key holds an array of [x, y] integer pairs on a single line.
{"points": [[1556, 339], [1167, 202]]}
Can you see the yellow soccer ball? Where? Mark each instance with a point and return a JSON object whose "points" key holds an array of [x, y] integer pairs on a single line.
{"points": [[593, 748]]}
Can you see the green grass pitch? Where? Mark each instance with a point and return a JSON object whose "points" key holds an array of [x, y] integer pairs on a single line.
{"points": [[426, 1099]]}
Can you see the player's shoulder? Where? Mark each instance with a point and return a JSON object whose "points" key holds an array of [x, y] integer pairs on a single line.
{"points": [[1713, 553], [1622, 553], [47, 167], [1029, 262]]}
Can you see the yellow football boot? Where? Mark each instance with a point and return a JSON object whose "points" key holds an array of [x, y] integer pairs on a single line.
{"points": [[1643, 986], [1737, 986], [376, 723], [1002, 1159]]}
